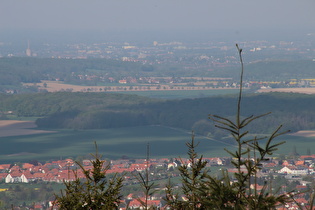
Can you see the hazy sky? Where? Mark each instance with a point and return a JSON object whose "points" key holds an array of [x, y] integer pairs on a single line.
{"points": [[158, 15]]}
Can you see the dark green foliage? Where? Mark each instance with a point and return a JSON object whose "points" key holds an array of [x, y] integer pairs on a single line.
{"points": [[203, 191], [27, 194], [248, 157], [95, 191], [203, 127], [147, 188], [44, 104], [105, 110], [146, 185], [193, 174]]}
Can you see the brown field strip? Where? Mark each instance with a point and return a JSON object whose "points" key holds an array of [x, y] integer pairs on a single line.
{"points": [[305, 133], [55, 86], [289, 90], [17, 128]]}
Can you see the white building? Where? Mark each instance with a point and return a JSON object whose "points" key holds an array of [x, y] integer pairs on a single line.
{"points": [[16, 178], [294, 170]]}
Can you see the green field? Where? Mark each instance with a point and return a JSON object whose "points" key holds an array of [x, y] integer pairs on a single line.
{"points": [[129, 142], [302, 144], [113, 144]]}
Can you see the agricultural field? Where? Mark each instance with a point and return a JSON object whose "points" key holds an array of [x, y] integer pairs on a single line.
{"points": [[289, 90], [302, 141], [154, 91], [118, 143], [113, 143], [18, 128]]}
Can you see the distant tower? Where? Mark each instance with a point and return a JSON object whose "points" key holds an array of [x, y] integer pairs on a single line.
{"points": [[28, 50]]}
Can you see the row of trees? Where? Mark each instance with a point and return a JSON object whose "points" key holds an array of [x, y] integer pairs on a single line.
{"points": [[24, 196]]}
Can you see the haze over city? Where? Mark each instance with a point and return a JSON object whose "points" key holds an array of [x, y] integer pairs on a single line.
{"points": [[140, 20]]}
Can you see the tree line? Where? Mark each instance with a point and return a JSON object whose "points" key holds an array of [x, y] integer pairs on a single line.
{"points": [[108, 110]]}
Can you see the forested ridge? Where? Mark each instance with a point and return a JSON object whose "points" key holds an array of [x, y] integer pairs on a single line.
{"points": [[108, 110]]}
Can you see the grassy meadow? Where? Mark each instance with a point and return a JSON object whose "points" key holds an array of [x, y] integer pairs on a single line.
{"points": [[128, 142], [300, 143]]}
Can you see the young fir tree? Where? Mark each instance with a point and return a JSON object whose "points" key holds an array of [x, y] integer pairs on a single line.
{"points": [[192, 174], [95, 191], [202, 191], [146, 185]]}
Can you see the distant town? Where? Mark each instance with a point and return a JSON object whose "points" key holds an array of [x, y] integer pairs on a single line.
{"points": [[284, 175], [190, 57], [192, 54]]}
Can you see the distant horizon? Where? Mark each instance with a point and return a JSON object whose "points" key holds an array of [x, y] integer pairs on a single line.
{"points": [[74, 21], [185, 35]]}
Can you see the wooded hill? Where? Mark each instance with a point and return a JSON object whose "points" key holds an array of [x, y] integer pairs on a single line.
{"points": [[108, 110]]}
